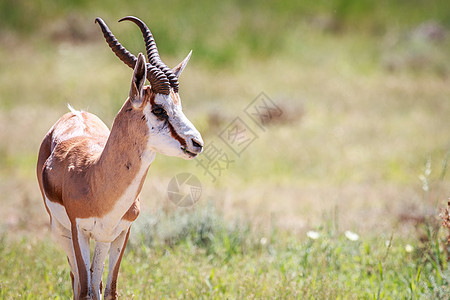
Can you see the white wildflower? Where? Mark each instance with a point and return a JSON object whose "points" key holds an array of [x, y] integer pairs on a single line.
{"points": [[351, 235], [263, 241], [409, 248], [314, 235], [388, 243]]}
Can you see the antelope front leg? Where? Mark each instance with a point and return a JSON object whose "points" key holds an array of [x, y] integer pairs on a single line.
{"points": [[64, 238], [82, 256], [98, 263], [115, 257]]}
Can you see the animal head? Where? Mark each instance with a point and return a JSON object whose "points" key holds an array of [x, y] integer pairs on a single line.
{"points": [[171, 133]]}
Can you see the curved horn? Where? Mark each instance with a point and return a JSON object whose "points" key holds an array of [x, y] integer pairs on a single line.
{"points": [[122, 53], [152, 51], [158, 80]]}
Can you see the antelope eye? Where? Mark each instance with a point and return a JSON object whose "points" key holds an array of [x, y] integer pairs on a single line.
{"points": [[159, 112]]}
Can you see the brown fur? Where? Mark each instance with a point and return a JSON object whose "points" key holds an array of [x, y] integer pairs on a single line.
{"points": [[89, 172], [97, 175], [87, 168], [175, 97]]}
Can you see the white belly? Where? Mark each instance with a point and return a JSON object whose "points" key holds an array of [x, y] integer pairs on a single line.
{"points": [[97, 228], [108, 227], [101, 229]]}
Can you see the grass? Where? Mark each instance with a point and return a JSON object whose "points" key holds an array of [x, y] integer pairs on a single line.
{"points": [[206, 258], [363, 87]]}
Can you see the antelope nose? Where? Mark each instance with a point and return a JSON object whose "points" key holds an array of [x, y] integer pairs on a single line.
{"points": [[197, 144]]}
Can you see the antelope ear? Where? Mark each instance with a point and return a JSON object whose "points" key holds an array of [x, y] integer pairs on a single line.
{"points": [[178, 69], [137, 83]]}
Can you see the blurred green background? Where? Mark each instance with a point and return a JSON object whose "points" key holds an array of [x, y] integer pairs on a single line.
{"points": [[362, 143]]}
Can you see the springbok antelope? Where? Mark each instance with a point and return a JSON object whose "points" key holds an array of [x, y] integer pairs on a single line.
{"points": [[90, 178]]}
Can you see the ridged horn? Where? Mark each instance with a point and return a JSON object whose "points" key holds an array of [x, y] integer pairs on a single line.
{"points": [[157, 78], [152, 51], [120, 51]]}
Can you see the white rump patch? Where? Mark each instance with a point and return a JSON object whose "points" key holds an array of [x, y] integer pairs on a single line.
{"points": [[59, 213], [78, 114], [74, 111]]}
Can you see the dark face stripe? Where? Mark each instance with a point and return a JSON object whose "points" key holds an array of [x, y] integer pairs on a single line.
{"points": [[175, 135], [173, 132]]}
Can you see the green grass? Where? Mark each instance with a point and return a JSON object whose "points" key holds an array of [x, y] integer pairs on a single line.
{"points": [[199, 255]]}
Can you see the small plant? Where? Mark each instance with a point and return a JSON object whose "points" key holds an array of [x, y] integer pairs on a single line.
{"points": [[445, 216]]}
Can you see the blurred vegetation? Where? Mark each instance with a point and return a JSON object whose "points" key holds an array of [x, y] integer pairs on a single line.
{"points": [[364, 87], [221, 32]]}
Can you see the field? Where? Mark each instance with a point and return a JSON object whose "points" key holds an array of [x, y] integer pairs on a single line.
{"points": [[338, 195]]}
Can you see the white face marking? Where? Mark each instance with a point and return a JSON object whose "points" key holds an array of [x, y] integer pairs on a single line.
{"points": [[161, 138]]}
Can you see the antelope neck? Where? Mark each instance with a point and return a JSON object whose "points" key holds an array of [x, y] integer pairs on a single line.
{"points": [[126, 157]]}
